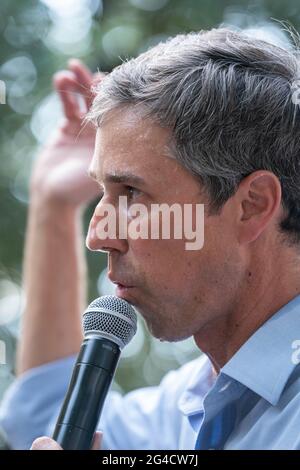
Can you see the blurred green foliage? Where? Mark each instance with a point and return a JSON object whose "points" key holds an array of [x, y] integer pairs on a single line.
{"points": [[37, 39]]}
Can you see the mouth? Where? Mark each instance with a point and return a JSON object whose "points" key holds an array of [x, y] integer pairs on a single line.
{"points": [[119, 282], [124, 292], [122, 287]]}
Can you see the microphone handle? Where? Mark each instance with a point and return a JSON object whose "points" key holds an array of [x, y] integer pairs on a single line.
{"points": [[89, 385]]}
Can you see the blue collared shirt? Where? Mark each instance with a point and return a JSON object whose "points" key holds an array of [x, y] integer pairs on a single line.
{"points": [[254, 403]]}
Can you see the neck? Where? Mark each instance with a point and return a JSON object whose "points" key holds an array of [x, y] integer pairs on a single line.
{"points": [[267, 290]]}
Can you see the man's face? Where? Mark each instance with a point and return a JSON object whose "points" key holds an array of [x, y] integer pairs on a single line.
{"points": [[177, 291]]}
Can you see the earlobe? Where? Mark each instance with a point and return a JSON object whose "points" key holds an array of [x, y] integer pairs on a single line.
{"points": [[260, 198]]}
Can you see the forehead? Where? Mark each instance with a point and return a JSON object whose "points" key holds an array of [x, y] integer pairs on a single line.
{"points": [[127, 144], [126, 141]]}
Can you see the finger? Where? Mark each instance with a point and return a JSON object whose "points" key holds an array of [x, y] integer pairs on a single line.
{"points": [[97, 440], [84, 78], [97, 79], [82, 72], [45, 443], [66, 86]]}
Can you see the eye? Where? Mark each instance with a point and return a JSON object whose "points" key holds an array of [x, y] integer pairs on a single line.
{"points": [[132, 192]]}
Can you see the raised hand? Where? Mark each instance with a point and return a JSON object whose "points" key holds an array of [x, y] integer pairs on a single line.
{"points": [[60, 173]]}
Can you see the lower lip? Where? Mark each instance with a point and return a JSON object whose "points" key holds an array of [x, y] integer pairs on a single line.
{"points": [[122, 291]]}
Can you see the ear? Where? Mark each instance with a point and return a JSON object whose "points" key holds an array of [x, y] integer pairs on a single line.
{"points": [[259, 201]]}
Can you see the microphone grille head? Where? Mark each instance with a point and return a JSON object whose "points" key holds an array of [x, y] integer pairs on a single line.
{"points": [[112, 318]]}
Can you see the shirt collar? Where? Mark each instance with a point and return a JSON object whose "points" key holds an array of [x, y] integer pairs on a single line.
{"points": [[265, 362], [201, 380]]}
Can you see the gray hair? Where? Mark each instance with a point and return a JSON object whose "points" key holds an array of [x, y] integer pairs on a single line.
{"points": [[227, 99]]}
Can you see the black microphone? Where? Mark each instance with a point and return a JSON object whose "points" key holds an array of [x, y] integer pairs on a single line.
{"points": [[109, 324]]}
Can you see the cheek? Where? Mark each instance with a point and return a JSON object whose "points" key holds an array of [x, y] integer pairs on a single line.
{"points": [[221, 263], [163, 263]]}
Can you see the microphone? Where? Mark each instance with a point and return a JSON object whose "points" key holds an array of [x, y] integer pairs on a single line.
{"points": [[109, 324]]}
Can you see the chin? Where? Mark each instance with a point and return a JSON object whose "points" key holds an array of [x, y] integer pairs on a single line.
{"points": [[163, 329], [164, 333]]}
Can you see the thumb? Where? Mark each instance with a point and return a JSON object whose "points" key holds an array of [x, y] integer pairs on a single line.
{"points": [[45, 443], [97, 440]]}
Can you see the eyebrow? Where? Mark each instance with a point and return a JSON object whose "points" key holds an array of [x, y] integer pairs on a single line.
{"points": [[127, 178]]}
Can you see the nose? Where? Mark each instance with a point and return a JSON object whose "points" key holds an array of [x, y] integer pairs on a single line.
{"points": [[103, 233]]}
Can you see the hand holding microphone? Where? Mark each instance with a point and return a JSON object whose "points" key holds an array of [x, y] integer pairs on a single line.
{"points": [[109, 324]]}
